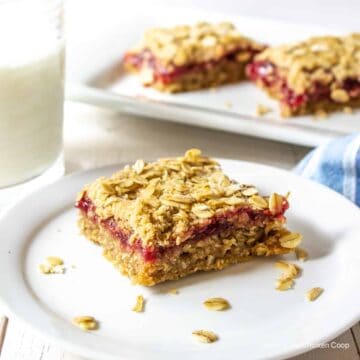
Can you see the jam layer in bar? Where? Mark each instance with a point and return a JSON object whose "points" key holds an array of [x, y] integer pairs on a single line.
{"points": [[319, 74], [185, 58], [167, 219]]}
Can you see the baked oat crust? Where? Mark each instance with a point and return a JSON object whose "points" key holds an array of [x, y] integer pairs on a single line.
{"points": [[210, 254]]}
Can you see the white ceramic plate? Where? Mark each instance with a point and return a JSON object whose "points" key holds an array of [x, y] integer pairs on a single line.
{"points": [[262, 324], [96, 47]]}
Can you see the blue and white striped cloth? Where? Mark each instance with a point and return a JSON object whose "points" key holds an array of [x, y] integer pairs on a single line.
{"points": [[335, 164]]}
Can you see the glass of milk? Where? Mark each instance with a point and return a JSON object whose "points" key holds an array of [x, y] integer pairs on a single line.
{"points": [[31, 91]]}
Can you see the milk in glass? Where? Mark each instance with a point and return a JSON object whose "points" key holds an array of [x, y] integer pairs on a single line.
{"points": [[31, 92]]}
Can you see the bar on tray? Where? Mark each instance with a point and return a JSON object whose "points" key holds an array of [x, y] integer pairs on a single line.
{"points": [[319, 74], [185, 58]]}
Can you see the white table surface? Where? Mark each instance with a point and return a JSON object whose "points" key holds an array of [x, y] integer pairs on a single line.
{"points": [[96, 137]]}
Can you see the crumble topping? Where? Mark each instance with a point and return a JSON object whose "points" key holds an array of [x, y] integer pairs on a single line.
{"points": [[258, 202], [323, 59], [161, 202], [198, 43]]}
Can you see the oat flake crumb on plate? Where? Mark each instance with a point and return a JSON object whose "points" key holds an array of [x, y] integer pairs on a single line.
{"points": [[288, 269], [52, 265], [86, 323], [284, 284], [216, 304], [205, 336], [139, 305], [314, 293]]}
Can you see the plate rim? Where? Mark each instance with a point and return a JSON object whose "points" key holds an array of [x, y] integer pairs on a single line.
{"points": [[205, 118], [81, 350]]}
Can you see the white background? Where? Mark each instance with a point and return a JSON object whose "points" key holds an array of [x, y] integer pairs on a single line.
{"points": [[323, 12]]}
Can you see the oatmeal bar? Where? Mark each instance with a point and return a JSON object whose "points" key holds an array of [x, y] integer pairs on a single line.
{"points": [[319, 74], [167, 219], [186, 58]]}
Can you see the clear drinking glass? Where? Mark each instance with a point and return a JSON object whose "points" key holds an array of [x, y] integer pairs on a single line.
{"points": [[31, 91]]}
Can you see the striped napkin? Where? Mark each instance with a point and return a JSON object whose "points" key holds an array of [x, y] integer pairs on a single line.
{"points": [[335, 164]]}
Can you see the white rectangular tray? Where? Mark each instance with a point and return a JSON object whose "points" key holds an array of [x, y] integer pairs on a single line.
{"points": [[106, 30]]}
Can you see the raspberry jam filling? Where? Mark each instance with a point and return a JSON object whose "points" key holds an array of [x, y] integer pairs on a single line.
{"points": [[268, 75], [214, 225], [88, 208], [169, 75]]}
